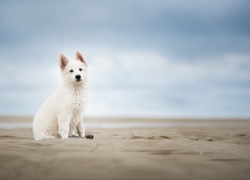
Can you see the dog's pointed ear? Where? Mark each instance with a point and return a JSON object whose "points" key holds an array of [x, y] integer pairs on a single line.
{"points": [[79, 57], [63, 61]]}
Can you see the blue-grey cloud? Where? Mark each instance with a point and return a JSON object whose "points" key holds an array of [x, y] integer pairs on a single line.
{"points": [[179, 28], [157, 58]]}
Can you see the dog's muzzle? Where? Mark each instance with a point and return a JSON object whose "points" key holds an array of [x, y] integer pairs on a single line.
{"points": [[78, 77]]}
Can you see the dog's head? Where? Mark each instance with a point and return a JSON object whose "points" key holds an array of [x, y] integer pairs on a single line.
{"points": [[74, 71]]}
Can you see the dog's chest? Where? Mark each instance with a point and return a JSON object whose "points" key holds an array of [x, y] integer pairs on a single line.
{"points": [[77, 102], [72, 100], [76, 108]]}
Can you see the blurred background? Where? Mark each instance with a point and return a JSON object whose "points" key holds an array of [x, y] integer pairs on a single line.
{"points": [[147, 58]]}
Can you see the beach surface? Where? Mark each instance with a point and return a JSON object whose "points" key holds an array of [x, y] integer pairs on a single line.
{"points": [[218, 151]]}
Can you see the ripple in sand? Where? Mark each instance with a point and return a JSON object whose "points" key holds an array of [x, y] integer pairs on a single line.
{"points": [[151, 137]]}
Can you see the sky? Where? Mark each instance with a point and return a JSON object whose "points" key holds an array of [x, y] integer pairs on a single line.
{"points": [[147, 58]]}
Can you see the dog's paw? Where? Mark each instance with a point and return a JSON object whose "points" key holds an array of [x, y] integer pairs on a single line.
{"points": [[89, 136], [63, 136], [81, 135]]}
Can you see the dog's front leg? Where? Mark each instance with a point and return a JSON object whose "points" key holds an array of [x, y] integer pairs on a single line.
{"points": [[63, 125], [81, 129]]}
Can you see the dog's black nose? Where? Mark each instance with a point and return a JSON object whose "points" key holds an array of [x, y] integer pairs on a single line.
{"points": [[78, 77]]}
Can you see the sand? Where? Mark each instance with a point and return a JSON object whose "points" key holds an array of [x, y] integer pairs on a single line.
{"points": [[220, 152]]}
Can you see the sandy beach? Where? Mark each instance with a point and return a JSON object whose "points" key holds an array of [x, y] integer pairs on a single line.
{"points": [[221, 151]]}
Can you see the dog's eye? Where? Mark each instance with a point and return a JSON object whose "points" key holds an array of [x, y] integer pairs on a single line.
{"points": [[80, 69], [71, 70]]}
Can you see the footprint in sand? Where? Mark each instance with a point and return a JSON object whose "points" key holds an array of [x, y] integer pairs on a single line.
{"points": [[158, 137], [240, 135], [151, 137], [9, 137], [194, 138]]}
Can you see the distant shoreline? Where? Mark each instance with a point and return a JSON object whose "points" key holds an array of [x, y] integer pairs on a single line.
{"points": [[132, 119], [10, 122]]}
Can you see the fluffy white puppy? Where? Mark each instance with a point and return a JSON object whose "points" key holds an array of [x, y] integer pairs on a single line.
{"points": [[61, 113]]}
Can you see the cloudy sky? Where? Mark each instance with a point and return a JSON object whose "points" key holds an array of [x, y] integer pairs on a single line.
{"points": [[147, 58]]}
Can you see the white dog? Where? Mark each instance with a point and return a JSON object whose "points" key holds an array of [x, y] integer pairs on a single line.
{"points": [[60, 115]]}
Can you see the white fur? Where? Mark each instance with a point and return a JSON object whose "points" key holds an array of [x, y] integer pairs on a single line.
{"points": [[61, 113]]}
